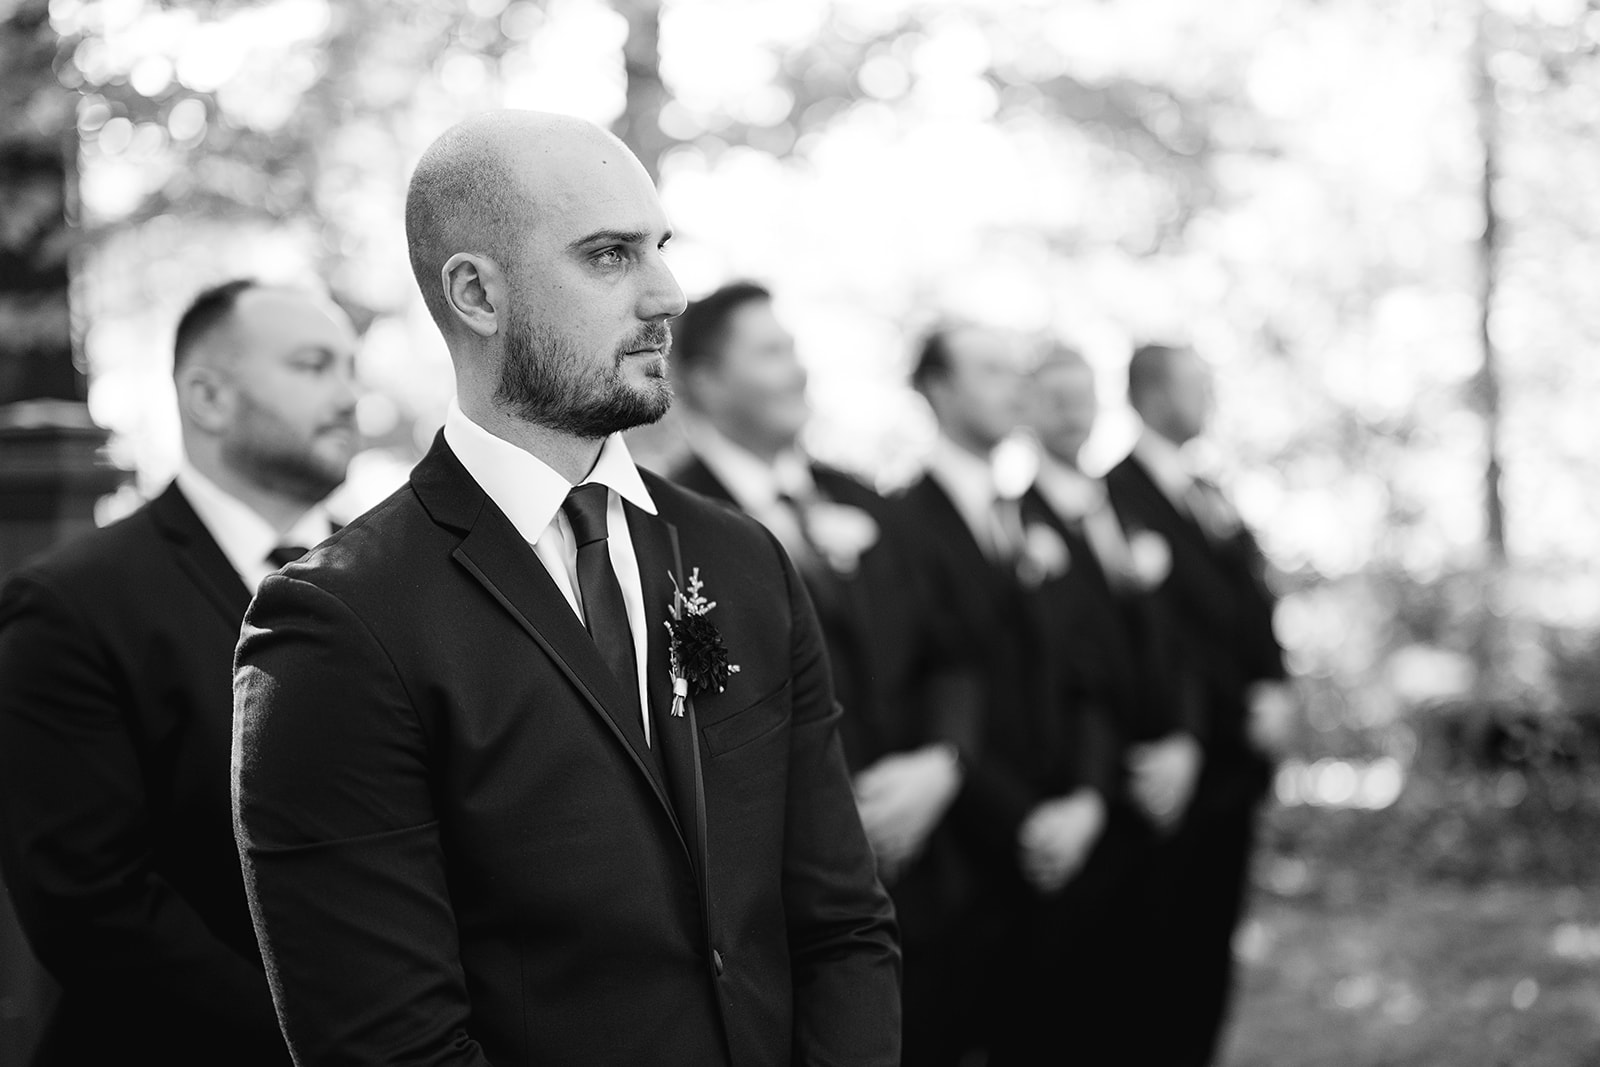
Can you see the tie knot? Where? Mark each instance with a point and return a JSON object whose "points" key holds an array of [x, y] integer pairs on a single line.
{"points": [[284, 555], [586, 511]]}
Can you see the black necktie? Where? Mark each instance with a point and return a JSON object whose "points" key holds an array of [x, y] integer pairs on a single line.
{"points": [[284, 555], [604, 612]]}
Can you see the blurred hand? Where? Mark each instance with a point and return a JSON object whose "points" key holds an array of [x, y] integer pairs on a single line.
{"points": [[1057, 836], [1162, 777], [901, 799], [1271, 713]]}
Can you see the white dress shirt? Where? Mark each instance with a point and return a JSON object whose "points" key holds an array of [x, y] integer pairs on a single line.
{"points": [[243, 535], [1164, 460], [531, 493], [969, 480], [759, 487], [1173, 475], [1077, 497]]}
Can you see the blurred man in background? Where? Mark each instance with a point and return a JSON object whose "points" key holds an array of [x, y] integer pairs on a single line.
{"points": [[907, 687], [979, 576], [116, 659], [1120, 644], [1217, 592]]}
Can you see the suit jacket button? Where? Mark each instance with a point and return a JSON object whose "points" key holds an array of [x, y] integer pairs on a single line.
{"points": [[716, 962]]}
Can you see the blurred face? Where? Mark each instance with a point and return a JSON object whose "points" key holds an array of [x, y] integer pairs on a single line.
{"points": [[754, 389], [586, 340], [1188, 397], [290, 384], [1062, 407], [979, 400]]}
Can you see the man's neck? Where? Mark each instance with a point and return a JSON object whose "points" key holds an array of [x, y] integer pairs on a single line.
{"points": [[279, 511], [569, 456], [968, 443]]}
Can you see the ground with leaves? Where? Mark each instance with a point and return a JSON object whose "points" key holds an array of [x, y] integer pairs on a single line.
{"points": [[1375, 958]]}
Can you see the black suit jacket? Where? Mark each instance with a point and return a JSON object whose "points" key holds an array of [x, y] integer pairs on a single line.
{"points": [[902, 678], [1015, 752], [901, 674], [1218, 594], [115, 831], [1124, 660], [455, 855]]}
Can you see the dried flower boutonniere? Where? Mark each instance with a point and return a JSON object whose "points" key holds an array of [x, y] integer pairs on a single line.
{"points": [[1044, 555], [699, 659]]}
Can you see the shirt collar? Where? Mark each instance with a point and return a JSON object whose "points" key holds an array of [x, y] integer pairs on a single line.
{"points": [[527, 489], [1070, 493], [969, 480], [754, 483], [1165, 463], [242, 534]]}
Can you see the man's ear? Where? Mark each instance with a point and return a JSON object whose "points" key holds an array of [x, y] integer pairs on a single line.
{"points": [[206, 397], [475, 292]]}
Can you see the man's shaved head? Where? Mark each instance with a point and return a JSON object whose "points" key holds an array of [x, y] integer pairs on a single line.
{"points": [[476, 189], [538, 243]]}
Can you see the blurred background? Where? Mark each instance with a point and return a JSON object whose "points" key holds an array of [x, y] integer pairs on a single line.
{"points": [[1378, 219]]}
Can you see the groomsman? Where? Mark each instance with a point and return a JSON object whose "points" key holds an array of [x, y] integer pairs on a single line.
{"points": [[908, 690], [1027, 816], [1119, 643], [116, 658], [538, 761], [1217, 592]]}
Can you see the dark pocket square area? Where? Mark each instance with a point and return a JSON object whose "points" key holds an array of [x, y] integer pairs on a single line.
{"points": [[750, 724]]}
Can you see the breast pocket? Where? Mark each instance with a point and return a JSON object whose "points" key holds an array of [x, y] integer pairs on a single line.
{"points": [[748, 725]]}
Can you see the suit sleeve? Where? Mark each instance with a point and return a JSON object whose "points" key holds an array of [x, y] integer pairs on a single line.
{"points": [[339, 840], [76, 841], [843, 942]]}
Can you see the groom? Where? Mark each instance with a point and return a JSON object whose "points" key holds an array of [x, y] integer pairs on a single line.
{"points": [[477, 821]]}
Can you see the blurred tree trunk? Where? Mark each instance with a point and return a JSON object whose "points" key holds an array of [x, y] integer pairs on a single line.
{"points": [[660, 445], [1488, 380], [640, 123], [1493, 653]]}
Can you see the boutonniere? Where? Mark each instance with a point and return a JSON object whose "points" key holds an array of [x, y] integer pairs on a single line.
{"points": [[841, 534], [1149, 558], [1044, 555], [697, 656]]}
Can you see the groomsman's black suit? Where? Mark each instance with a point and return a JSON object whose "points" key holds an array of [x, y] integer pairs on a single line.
{"points": [[901, 674], [116, 654], [457, 855], [883, 649], [1127, 685], [1218, 595], [1024, 748]]}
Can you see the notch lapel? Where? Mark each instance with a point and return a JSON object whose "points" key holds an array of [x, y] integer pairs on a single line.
{"points": [[655, 544], [199, 555], [497, 556]]}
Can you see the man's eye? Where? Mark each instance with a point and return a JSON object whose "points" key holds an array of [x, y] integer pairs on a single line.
{"points": [[608, 257]]}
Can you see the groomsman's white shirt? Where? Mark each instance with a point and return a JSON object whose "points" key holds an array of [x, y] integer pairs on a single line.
{"points": [[244, 536]]}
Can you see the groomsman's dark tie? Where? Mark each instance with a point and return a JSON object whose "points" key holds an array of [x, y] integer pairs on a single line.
{"points": [[604, 612], [284, 555]]}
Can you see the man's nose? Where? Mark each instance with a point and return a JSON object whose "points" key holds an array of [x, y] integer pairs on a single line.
{"points": [[662, 297]]}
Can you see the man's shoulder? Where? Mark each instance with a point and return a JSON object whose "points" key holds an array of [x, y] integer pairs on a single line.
{"points": [[693, 473], [103, 554], [842, 487], [689, 509]]}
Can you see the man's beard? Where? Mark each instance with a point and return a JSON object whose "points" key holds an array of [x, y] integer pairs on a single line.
{"points": [[545, 381], [270, 456]]}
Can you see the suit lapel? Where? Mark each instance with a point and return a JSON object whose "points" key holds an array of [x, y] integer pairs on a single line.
{"points": [[655, 545], [199, 555], [1178, 519], [498, 558]]}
